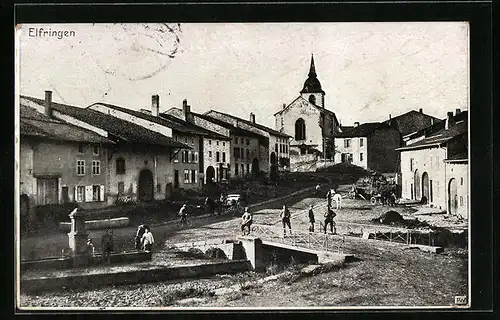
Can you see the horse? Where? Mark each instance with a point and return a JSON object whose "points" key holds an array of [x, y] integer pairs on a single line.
{"points": [[338, 200]]}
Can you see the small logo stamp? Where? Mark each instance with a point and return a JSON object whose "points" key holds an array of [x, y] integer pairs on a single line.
{"points": [[460, 300]]}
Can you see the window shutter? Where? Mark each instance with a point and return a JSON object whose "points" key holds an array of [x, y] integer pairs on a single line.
{"points": [[75, 194], [88, 193], [195, 176], [101, 193]]}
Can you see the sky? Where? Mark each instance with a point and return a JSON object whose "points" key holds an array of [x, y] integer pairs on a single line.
{"points": [[368, 70]]}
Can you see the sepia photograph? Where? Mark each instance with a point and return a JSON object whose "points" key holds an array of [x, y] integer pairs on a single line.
{"points": [[204, 166]]}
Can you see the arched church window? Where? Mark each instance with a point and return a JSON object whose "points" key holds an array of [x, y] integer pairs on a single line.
{"points": [[300, 129], [312, 99]]}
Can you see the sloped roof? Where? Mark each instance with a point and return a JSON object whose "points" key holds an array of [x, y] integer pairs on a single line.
{"points": [[406, 122], [324, 110], [250, 123], [35, 124], [361, 130], [439, 138], [169, 122], [124, 130]]}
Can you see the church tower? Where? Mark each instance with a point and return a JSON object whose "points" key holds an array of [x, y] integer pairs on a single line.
{"points": [[312, 91]]}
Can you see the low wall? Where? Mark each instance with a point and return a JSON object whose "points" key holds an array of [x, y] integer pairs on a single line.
{"points": [[98, 224], [132, 277], [232, 249], [278, 202], [67, 262]]}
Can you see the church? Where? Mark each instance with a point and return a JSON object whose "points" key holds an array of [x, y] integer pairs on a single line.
{"points": [[310, 124]]}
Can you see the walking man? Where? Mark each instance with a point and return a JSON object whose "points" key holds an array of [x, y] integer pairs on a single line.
{"points": [[147, 240], [246, 221], [183, 214], [311, 219], [285, 218], [329, 215]]}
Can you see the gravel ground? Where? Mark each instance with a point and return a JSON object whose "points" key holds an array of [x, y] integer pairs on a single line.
{"points": [[383, 275]]}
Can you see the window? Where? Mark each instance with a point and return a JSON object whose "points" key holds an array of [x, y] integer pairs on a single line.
{"points": [[360, 142], [210, 142], [236, 152], [361, 156], [312, 99], [96, 150], [236, 169], [276, 147], [242, 153], [121, 187], [96, 167], [411, 164], [224, 157], [186, 176], [248, 154], [80, 193], [223, 144], [80, 167], [96, 193], [347, 143], [120, 166], [81, 148], [192, 140], [242, 169], [248, 142], [186, 156], [236, 140], [193, 157], [300, 129], [217, 156], [462, 181], [158, 188], [461, 201], [217, 142], [196, 157], [248, 167], [281, 148], [210, 154], [183, 156], [194, 176]]}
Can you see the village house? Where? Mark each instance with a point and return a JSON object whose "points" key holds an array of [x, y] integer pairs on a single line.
{"points": [[58, 162], [411, 122], [188, 165], [248, 151], [306, 119], [370, 146], [434, 165], [139, 165], [279, 157]]}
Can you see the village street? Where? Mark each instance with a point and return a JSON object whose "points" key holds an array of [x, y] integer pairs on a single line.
{"points": [[383, 274]]}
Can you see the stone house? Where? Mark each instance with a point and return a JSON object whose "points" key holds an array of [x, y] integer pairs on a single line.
{"points": [[306, 119], [58, 162], [248, 151], [434, 165], [411, 122], [279, 143], [370, 146], [188, 165], [139, 165]]}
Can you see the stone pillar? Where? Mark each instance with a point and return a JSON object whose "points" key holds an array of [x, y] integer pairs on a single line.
{"points": [[78, 238], [252, 247]]}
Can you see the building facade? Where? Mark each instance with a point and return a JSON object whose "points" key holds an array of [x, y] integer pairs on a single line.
{"points": [[311, 126], [434, 165], [370, 146]]}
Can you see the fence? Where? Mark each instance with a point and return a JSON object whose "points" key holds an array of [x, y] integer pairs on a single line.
{"points": [[297, 238]]}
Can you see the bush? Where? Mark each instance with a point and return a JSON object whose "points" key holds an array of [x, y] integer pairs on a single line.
{"points": [[54, 212], [215, 253]]}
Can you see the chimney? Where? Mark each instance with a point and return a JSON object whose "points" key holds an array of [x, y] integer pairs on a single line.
{"points": [[356, 124], [155, 105], [449, 120], [48, 103], [252, 117], [457, 111], [390, 116], [420, 110], [284, 105], [186, 110]]}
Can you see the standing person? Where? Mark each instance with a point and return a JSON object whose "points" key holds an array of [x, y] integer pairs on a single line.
{"points": [[311, 219], [89, 248], [138, 237], [183, 214], [329, 196], [210, 206], [222, 200], [285, 218], [316, 190], [107, 246], [147, 240], [246, 221], [329, 215]]}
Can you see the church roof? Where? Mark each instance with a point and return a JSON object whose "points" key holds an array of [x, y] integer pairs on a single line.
{"points": [[323, 110], [312, 84]]}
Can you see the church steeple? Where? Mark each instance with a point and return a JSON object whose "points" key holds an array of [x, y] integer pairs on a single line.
{"points": [[312, 87], [312, 69]]}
